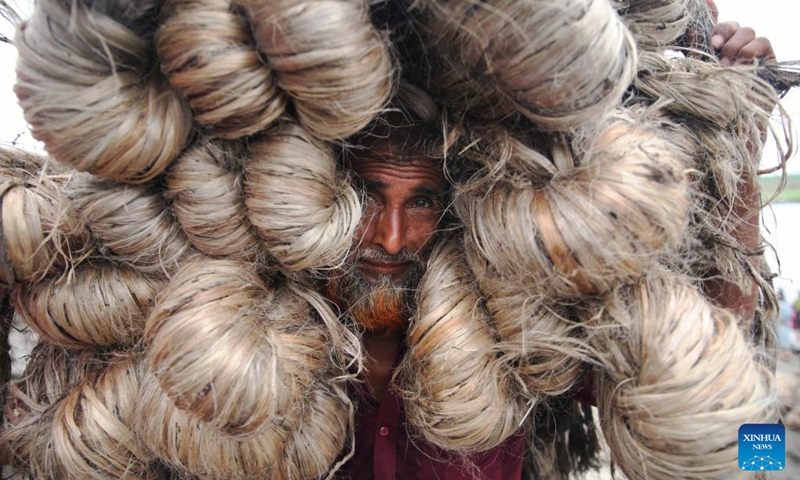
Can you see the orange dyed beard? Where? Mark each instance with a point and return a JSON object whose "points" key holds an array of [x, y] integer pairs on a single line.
{"points": [[382, 305]]}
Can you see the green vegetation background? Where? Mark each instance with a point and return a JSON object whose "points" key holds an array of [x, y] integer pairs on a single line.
{"points": [[790, 193]]}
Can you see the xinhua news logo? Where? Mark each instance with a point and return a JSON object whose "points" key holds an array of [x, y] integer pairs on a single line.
{"points": [[762, 447]]}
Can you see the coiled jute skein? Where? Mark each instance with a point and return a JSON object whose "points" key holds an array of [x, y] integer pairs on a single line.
{"points": [[560, 64], [41, 232], [305, 209], [87, 89], [674, 365], [209, 55], [328, 58], [457, 390], [591, 226]]}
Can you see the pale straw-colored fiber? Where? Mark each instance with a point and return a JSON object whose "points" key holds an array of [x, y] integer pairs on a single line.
{"points": [[41, 232], [673, 366], [131, 223], [96, 304], [458, 392], [328, 58], [205, 186], [86, 86], [304, 209], [655, 23], [560, 64], [224, 348], [597, 222], [208, 53]]}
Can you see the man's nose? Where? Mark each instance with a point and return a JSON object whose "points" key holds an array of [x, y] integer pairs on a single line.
{"points": [[389, 231]]}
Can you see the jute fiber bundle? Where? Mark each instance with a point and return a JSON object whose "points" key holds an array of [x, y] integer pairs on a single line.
{"points": [[539, 337], [208, 53], [131, 223], [328, 58], [675, 366], [657, 23], [96, 304], [243, 377], [205, 187], [560, 64], [229, 350], [458, 392], [69, 417], [41, 232], [86, 85], [305, 210], [602, 219]]}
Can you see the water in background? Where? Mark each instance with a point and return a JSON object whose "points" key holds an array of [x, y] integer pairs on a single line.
{"points": [[781, 227]]}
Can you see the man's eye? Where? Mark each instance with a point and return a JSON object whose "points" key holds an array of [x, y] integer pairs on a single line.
{"points": [[422, 203]]}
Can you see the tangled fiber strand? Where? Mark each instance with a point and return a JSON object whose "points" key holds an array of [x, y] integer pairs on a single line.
{"points": [[674, 365], [305, 211], [96, 304], [560, 64], [131, 223], [51, 372], [540, 339], [656, 24], [592, 226], [41, 233], [219, 351], [719, 116], [328, 58], [206, 188], [242, 378], [86, 86], [457, 390], [208, 53], [92, 436]]}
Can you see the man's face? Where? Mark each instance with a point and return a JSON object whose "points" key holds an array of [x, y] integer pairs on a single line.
{"points": [[404, 203]]}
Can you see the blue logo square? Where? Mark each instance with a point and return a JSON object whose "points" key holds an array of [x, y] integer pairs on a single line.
{"points": [[762, 447]]}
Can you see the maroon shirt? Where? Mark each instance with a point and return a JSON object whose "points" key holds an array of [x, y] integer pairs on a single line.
{"points": [[384, 451]]}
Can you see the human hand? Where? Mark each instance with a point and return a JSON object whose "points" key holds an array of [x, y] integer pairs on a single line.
{"points": [[737, 45]]}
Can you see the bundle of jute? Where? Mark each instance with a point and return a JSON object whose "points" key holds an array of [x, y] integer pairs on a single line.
{"points": [[541, 338], [69, 417], [208, 53], [244, 377], [304, 209], [131, 223], [602, 218], [458, 391], [328, 58], [205, 187], [86, 86], [96, 304], [656, 24], [302, 445], [228, 350], [673, 366], [41, 232], [560, 64], [718, 116]]}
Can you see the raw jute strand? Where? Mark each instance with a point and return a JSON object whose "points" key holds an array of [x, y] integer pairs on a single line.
{"points": [[85, 84], [328, 58], [560, 64], [591, 226], [97, 304], [209, 55], [674, 365], [206, 188], [457, 391], [303, 208]]}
